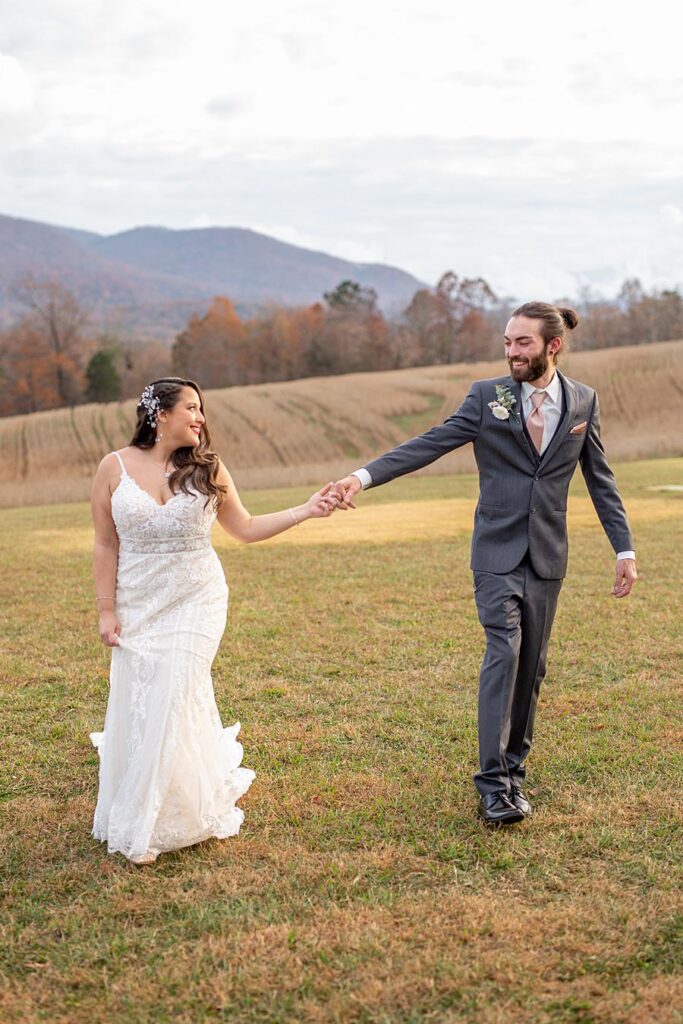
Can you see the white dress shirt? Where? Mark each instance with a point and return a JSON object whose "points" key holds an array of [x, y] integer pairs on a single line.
{"points": [[551, 411]]}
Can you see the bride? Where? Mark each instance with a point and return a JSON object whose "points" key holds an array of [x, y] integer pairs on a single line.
{"points": [[170, 773]]}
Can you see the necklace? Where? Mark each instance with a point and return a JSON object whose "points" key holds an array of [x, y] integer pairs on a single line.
{"points": [[166, 473]]}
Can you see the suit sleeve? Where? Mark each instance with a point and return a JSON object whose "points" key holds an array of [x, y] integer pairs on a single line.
{"points": [[460, 428], [602, 486]]}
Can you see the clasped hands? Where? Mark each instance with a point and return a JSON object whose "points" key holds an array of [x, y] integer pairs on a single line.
{"points": [[334, 496]]}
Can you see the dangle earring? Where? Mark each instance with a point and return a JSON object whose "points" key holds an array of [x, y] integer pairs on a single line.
{"points": [[159, 435]]}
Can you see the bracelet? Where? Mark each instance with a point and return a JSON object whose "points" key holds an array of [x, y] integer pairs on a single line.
{"points": [[296, 521], [106, 599]]}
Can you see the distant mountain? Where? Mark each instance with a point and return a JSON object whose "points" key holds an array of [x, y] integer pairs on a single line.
{"points": [[147, 281]]}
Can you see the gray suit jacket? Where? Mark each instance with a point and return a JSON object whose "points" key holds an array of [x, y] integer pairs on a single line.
{"points": [[522, 498]]}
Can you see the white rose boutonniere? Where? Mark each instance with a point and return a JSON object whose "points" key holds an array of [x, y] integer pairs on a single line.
{"points": [[503, 407]]}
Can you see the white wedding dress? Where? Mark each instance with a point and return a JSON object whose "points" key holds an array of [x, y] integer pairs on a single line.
{"points": [[170, 773]]}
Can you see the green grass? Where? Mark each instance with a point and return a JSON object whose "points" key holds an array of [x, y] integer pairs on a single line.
{"points": [[415, 423], [362, 887]]}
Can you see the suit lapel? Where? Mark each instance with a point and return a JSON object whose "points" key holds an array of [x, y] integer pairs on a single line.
{"points": [[570, 403], [516, 425]]}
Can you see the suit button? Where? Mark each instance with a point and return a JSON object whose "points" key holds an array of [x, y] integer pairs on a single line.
{"points": [[532, 510]]}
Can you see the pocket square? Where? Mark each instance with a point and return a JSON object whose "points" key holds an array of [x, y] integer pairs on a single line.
{"points": [[580, 428]]}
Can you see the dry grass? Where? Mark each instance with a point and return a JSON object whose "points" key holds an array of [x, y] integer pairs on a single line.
{"points": [[362, 889], [307, 431]]}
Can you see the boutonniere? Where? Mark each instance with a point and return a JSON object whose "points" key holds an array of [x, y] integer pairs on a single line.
{"points": [[503, 407]]}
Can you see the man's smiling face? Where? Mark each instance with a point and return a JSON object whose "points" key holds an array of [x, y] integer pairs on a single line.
{"points": [[529, 356]]}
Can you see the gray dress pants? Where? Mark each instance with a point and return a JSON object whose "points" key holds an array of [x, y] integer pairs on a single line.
{"points": [[516, 610]]}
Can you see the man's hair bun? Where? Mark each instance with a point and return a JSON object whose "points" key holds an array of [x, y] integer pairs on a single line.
{"points": [[570, 316]]}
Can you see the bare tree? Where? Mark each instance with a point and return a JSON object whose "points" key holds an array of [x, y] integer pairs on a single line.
{"points": [[57, 315], [450, 322]]}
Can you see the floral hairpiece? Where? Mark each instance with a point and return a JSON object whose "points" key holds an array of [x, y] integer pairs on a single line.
{"points": [[151, 403]]}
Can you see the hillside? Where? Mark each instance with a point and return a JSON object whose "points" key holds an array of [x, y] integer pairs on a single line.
{"points": [[149, 280], [28, 247], [249, 266], [310, 431]]}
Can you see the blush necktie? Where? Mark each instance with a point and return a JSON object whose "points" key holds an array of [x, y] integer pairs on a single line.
{"points": [[536, 422]]}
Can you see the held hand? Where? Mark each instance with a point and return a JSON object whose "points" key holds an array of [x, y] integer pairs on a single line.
{"points": [[321, 504], [625, 578], [110, 628], [347, 489]]}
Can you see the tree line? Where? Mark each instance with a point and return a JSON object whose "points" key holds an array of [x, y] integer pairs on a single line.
{"points": [[52, 356]]}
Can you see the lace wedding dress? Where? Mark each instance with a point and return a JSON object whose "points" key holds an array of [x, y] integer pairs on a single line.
{"points": [[170, 773]]}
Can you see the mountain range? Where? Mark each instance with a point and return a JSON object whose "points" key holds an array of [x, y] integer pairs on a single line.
{"points": [[146, 282]]}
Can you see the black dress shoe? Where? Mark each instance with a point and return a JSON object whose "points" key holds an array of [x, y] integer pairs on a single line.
{"points": [[517, 797], [498, 809]]}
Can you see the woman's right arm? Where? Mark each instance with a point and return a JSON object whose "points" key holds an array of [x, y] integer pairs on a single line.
{"points": [[105, 552]]}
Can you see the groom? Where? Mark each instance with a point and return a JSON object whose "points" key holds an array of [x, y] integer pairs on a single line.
{"points": [[529, 430]]}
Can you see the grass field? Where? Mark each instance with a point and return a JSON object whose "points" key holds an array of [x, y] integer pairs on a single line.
{"points": [[361, 888], [304, 431]]}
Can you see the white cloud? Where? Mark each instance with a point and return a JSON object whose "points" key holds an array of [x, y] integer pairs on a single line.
{"points": [[16, 91], [226, 106], [202, 220], [318, 70], [521, 142], [672, 214]]}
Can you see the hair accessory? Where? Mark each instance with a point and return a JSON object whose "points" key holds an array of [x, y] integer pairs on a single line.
{"points": [[151, 403]]}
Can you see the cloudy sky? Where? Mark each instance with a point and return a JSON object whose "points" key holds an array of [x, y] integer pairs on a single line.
{"points": [[536, 144]]}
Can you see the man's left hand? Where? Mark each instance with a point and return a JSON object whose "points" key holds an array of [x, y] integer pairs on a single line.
{"points": [[625, 578]]}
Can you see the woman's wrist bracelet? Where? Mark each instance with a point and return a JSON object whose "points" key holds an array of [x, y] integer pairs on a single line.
{"points": [[296, 521], [106, 599]]}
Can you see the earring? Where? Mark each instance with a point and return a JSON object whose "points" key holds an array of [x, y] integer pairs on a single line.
{"points": [[158, 438]]}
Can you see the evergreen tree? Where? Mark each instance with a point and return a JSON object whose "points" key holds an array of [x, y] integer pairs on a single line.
{"points": [[104, 382]]}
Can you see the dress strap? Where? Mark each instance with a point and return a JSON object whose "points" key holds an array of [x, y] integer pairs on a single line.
{"points": [[123, 468]]}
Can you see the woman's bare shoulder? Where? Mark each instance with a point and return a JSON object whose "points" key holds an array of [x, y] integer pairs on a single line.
{"points": [[223, 474], [109, 469]]}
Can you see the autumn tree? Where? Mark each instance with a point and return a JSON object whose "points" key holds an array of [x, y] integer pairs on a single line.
{"points": [[460, 320], [55, 317], [656, 316], [450, 321], [137, 365], [210, 350], [279, 344], [30, 382], [636, 317], [356, 336], [669, 325]]}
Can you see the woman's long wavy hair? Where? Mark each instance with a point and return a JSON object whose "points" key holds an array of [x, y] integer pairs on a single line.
{"points": [[195, 466]]}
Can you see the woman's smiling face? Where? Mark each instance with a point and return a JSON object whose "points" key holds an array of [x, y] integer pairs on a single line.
{"points": [[183, 423]]}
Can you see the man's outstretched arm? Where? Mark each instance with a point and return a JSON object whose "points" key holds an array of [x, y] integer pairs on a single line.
{"points": [[460, 428]]}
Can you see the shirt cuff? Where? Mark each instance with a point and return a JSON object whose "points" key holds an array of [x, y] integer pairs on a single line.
{"points": [[626, 554], [364, 477]]}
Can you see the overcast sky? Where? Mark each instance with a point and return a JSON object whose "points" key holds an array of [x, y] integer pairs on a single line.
{"points": [[536, 144]]}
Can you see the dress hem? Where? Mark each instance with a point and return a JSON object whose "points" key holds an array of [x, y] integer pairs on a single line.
{"points": [[202, 837]]}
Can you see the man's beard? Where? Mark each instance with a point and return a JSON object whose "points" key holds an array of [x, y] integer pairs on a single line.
{"points": [[534, 368]]}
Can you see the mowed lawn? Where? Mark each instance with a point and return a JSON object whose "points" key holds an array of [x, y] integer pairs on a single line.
{"points": [[362, 887]]}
